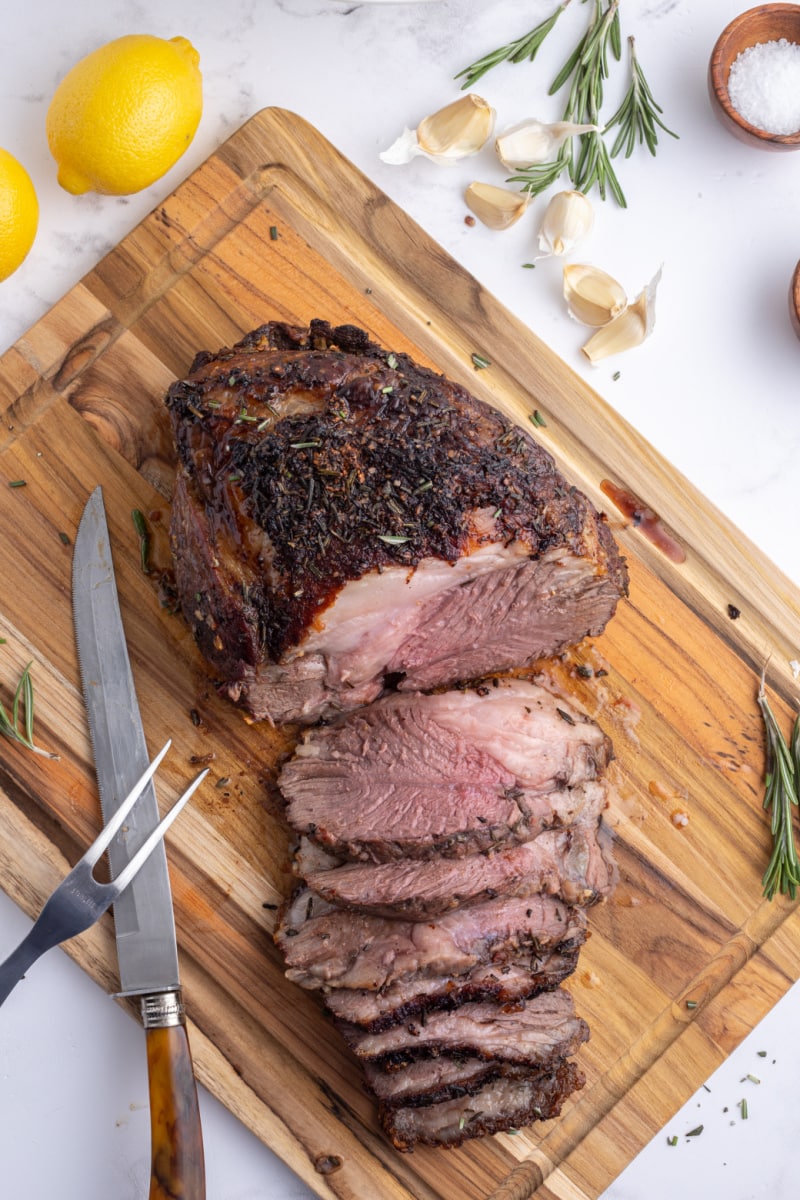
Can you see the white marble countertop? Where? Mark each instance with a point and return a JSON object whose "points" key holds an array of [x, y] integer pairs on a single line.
{"points": [[715, 390]]}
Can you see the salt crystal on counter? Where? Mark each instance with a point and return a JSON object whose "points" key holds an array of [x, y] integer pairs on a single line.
{"points": [[764, 86]]}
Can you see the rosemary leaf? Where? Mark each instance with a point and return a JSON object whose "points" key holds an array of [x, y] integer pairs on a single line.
{"points": [[585, 70], [637, 115], [521, 49], [780, 798], [140, 525], [27, 699], [22, 706]]}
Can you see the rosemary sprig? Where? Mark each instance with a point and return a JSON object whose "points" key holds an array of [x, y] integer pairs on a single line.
{"points": [[587, 68], [780, 797], [638, 114], [22, 710], [522, 48]]}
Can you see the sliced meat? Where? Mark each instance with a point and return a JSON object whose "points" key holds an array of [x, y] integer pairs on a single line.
{"points": [[571, 864], [408, 998], [326, 947], [432, 1080], [510, 1101], [342, 515], [535, 1032], [446, 774]]}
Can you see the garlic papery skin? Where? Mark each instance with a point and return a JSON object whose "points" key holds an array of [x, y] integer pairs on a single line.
{"points": [[593, 296], [496, 207], [454, 132], [533, 142], [627, 330], [567, 220]]}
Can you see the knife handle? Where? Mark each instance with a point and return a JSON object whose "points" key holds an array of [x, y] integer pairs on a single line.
{"points": [[177, 1163]]}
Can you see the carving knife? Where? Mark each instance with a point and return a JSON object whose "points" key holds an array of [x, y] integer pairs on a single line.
{"points": [[143, 918]]}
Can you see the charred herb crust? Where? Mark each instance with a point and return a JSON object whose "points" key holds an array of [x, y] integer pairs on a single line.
{"points": [[381, 462]]}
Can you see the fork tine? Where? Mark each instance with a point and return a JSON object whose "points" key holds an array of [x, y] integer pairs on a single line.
{"points": [[145, 850], [112, 828], [79, 900]]}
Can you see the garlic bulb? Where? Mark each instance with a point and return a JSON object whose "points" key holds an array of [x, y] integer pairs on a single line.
{"points": [[497, 207], [567, 219], [533, 142], [454, 132], [627, 330], [592, 295]]}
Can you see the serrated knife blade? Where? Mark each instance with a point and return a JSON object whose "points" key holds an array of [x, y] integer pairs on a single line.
{"points": [[143, 915]]}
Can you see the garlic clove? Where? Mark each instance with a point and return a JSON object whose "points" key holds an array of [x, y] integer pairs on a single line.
{"points": [[567, 220], [593, 296], [496, 207], [533, 141], [627, 330], [454, 132]]}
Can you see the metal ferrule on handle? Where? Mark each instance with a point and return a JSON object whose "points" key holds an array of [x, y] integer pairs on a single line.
{"points": [[162, 1010]]}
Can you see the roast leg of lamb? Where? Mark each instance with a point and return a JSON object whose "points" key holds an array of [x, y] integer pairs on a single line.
{"points": [[357, 540], [444, 840], [343, 516]]}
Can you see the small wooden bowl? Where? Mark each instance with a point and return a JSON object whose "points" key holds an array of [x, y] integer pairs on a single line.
{"points": [[767, 23], [794, 300]]}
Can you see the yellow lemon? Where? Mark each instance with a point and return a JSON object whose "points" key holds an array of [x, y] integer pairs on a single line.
{"points": [[19, 213], [125, 114]]}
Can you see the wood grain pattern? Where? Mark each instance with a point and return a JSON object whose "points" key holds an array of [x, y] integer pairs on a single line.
{"points": [[82, 398]]}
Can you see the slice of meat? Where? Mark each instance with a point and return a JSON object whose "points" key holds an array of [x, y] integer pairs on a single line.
{"points": [[510, 1101], [571, 864], [432, 1080], [342, 515], [326, 947], [535, 1032], [451, 773], [410, 997]]}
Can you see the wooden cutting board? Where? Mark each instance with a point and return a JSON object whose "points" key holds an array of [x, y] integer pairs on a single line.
{"points": [[683, 961]]}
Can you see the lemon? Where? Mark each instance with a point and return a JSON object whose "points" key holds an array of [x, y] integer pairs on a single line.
{"points": [[125, 114], [19, 213]]}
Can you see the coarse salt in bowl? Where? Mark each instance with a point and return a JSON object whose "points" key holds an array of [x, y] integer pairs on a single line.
{"points": [[754, 76]]}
